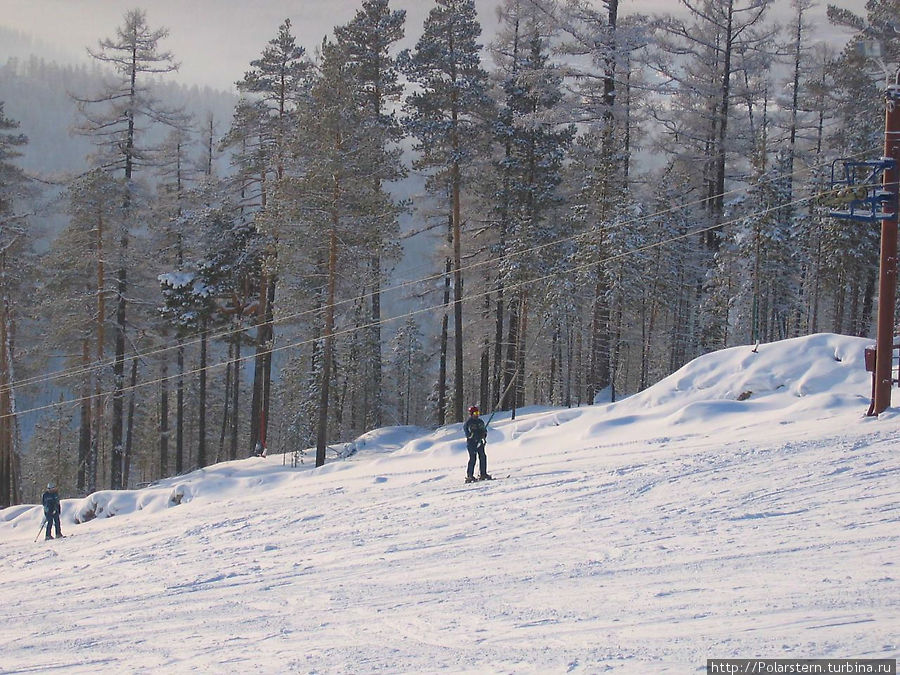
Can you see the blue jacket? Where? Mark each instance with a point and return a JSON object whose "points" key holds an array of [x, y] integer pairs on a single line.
{"points": [[50, 500], [475, 430]]}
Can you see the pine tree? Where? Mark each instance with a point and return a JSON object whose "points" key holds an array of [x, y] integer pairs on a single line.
{"points": [[534, 143], [598, 48], [334, 153], [699, 59], [77, 290], [12, 237], [208, 291], [712, 38], [851, 253], [368, 40], [813, 225], [757, 274], [176, 173], [278, 81], [407, 366], [444, 115], [248, 140], [114, 119]]}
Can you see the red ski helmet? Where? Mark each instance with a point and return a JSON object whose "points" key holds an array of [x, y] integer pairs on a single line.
{"points": [[473, 409]]}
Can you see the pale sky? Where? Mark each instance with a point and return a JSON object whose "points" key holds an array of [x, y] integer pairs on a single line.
{"points": [[215, 40]]}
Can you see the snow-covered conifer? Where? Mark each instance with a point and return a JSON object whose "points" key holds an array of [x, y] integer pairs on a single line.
{"points": [[444, 111], [118, 118], [12, 243], [369, 39]]}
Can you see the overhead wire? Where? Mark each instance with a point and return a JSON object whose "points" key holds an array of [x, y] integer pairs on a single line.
{"points": [[469, 298], [81, 370]]}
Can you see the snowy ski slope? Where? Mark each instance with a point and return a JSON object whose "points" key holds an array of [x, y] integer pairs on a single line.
{"points": [[643, 536]]}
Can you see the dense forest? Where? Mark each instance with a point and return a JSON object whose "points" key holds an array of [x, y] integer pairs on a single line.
{"points": [[559, 214]]}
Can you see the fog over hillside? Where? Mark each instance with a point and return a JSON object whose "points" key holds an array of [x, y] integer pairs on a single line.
{"points": [[216, 40], [37, 93]]}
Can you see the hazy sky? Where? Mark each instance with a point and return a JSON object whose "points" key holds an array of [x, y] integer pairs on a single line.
{"points": [[215, 40]]}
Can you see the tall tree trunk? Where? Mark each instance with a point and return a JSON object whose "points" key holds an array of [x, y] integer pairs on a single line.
{"points": [[485, 383], [609, 81], [226, 408], [445, 329], [441, 411], [854, 306], [179, 411], [9, 478], [259, 365], [714, 235], [498, 349], [599, 369], [118, 401], [457, 298], [89, 481], [512, 343], [579, 364], [572, 328], [814, 312], [839, 303], [201, 435], [328, 347], [649, 325], [615, 357], [555, 365], [868, 305], [129, 436], [96, 429], [376, 358], [118, 411], [235, 396], [409, 374], [164, 417], [626, 127], [520, 352], [84, 429], [267, 361], [599, 365]]}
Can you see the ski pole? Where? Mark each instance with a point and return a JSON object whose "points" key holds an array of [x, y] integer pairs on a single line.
{"points": [[43, 522], [512, 381]]}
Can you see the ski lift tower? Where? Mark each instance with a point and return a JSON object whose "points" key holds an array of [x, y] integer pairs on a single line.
{"points": [[866, 198]]}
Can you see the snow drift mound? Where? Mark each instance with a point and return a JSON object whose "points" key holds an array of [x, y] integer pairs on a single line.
{"points": [[740, 391], [813, 373]]}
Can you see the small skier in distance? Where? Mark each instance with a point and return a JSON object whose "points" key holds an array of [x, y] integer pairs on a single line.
{"points": [[476, 436], [259, 450], [50, 500]]}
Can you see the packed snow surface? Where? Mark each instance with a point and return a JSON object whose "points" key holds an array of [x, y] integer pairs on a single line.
{"points": [[745, 506]]}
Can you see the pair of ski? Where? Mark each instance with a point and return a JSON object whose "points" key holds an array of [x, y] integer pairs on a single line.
{"points": [[485, 480]]}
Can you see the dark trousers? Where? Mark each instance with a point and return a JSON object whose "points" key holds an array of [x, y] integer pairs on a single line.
{"points": [[53, 519], [476, 449]]}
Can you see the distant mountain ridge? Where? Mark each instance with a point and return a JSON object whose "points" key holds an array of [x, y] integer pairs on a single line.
{"points": [[36, 92], [15, 44]]}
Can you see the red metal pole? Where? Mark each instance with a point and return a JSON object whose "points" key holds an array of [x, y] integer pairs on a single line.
{"points": [[887, 283]]}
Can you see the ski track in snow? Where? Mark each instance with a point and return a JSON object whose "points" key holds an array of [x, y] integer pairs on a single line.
{"points": [[622, 551]]}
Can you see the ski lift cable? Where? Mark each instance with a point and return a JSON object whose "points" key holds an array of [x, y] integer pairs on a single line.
{"points": [[563, 272], [80, 370], [76, 371]]}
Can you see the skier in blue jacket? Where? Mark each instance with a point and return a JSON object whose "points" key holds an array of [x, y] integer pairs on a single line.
{"points": [[50, 500], [476, 436]]}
